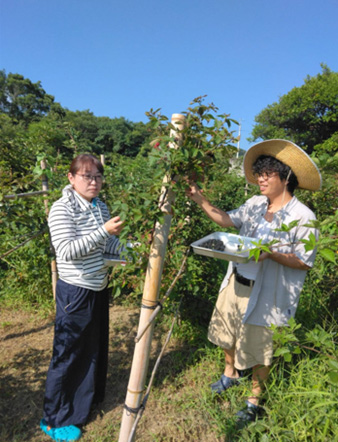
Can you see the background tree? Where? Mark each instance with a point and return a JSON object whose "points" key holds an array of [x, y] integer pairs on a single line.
{"points": [[105, 135], [31, 124], [22, 100], [121, 136], [306, 115]]}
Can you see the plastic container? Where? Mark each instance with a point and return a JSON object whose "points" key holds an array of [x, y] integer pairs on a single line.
{"points": [[113, 260], [236, 247]]}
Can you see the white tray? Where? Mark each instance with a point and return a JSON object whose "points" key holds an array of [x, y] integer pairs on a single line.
{"points": [[113, 260], [236, 247]]}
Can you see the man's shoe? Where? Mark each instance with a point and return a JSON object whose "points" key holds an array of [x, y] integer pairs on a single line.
{"points": [[249, 413], [224, 384]]}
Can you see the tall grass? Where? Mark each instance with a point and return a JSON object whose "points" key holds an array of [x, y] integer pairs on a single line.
{"points": [[300, 403]]}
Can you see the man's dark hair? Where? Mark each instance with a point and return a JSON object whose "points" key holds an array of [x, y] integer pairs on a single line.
{"points": [[268, 164]]}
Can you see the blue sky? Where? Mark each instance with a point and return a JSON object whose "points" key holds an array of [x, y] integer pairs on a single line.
{"points": [[121, 58]]}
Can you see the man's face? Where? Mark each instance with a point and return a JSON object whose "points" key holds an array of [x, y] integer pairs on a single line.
{"points": [[270, 184]]}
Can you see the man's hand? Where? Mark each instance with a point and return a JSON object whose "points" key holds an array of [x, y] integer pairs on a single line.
{"points": [[217, 215], [263, 256], [286, 259], [194, 193]]}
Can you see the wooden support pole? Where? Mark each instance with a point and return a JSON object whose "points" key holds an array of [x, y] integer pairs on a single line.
{"points": [[44, 186], [54, 277], [53, 262], [151, 290], [160, 305]]}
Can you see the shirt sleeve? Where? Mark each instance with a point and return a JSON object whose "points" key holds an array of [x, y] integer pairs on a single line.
{"points": [[238, 216], [113, 246], [303, 232]]}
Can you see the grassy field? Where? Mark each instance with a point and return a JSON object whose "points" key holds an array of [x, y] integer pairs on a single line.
{"points": [[300, 403]]}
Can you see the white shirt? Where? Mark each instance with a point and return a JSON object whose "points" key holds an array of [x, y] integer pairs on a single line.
{"points": [[275, 295], [249, 270]]}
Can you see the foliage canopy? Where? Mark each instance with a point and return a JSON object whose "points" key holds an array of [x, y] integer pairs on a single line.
{"points": [[306, 115]]}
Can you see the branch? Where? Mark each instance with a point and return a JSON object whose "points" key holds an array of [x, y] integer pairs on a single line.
{"points": [[23, 243], [22, 195], [315, 350]]}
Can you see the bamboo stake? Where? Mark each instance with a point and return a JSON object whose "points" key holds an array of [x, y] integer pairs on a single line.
{"points": [[149, 302], [53, 262], [45, 186], [146, 396], [54, 277], [160, 304]]}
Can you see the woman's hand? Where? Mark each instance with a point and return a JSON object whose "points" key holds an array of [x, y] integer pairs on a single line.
{"points": [[114, 225]]}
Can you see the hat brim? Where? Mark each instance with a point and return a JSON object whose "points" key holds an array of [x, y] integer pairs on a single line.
{"points": [[288, 153]]}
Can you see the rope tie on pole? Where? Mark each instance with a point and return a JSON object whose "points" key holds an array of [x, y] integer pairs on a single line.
{"points": [[131, 410], [152, 307]]}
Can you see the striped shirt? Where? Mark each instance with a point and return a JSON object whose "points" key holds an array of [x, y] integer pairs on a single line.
{"points": [[79, 237]]}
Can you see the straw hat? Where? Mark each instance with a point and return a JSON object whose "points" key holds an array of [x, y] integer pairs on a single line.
{"points": [[288, 153]]}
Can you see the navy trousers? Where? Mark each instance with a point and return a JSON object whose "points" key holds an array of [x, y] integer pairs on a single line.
{"points": [[78, 370]]}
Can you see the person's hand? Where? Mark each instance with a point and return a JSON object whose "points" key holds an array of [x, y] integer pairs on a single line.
{"points": [[263, 256], [114, 225], [194, 192]]}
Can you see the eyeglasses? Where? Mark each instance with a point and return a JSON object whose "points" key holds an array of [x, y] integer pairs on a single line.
{"points": [[265, 175], [89, 178]]}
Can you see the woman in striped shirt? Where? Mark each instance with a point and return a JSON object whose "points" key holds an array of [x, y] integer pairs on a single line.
{"points": [[81, 232]]}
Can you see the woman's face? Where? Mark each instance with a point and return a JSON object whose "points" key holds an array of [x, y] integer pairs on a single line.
{"points": [[87, 181]]}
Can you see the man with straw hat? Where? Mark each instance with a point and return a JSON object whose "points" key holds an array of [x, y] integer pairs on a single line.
{"points": [[257, 294]]}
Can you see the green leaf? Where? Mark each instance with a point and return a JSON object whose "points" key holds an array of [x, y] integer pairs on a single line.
{"points": [[38, 171], [117, 292], [254, 253], [328, 254], [288, 227], [281, 351], [333, 364], [310, 243], [287, 357], [333, 375]]}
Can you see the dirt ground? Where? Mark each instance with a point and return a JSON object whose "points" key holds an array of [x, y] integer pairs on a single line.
{"points": [[26, 343], [25, 351]]}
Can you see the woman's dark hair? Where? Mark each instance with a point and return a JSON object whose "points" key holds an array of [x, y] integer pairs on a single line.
{"points": [[268, 164], [82, 160]]}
